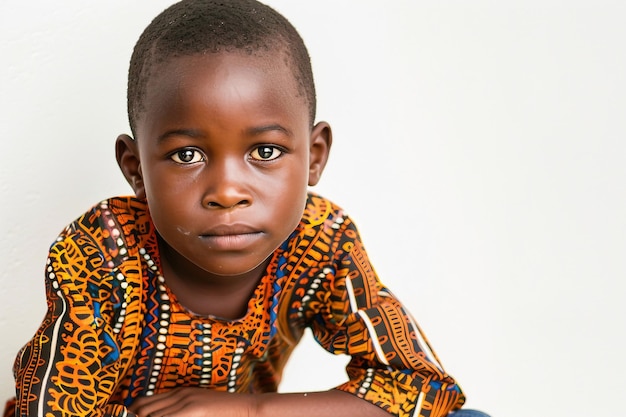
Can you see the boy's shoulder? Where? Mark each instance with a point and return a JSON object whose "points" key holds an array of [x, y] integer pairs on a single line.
{"points": [[116, 226], [116, 214], [319, 210]]}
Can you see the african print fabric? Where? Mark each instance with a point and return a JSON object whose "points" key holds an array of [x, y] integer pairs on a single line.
{"points": [[114, 331]]}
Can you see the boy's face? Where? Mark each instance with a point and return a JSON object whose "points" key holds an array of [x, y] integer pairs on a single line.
{"points": [[224, 153]]}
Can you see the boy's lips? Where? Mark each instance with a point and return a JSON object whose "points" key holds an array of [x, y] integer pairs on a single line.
{"points": [[230, 230], [231, 237]]}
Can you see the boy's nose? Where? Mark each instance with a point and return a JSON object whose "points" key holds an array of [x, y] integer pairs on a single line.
{"points": [[226, 186]]}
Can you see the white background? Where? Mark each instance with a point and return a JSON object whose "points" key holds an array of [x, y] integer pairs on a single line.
{"points": [[479, 145]]}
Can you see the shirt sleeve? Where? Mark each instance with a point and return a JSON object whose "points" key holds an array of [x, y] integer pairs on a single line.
{"points": [[351, 312], [72, 364]]}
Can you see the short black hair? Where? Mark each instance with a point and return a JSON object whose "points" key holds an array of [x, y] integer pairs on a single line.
{"points": [[211, 26]]}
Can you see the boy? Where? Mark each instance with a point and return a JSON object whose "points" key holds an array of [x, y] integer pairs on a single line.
{"points": [[188, 298]]}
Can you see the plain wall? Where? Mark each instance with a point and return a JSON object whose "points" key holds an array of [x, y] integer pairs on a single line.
{"points": [[480, 147]]}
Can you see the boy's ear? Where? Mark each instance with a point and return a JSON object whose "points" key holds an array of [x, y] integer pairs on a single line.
{"points": [[321, 141], [127, 155]]}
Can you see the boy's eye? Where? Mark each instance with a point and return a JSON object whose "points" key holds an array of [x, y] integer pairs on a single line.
{"points": [[187, 156], [266, 153]]}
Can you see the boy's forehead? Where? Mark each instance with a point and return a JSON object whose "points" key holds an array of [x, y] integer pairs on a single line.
{"points": [[228, 78], [271, 68]]}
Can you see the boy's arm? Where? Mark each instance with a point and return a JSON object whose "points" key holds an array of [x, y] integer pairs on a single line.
{"points": [[72, 364], [392, 365]]}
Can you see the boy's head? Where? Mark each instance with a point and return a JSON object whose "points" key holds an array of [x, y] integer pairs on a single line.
{"points": [[221, 104], [193, 27]]}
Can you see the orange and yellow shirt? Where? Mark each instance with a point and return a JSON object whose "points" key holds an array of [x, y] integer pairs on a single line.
{"points": [[114, 331]]}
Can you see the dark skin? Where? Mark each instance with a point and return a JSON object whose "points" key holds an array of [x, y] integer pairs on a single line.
{"points": [[224, 155]]}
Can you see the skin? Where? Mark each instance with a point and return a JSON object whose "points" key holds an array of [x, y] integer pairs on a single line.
{"points": [[224, 155]]}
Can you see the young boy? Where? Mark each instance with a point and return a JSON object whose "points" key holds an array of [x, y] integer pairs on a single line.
{"points": [[187, 299]]}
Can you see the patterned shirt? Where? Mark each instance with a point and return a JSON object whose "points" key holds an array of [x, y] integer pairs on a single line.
{"points": [[114, 331]]}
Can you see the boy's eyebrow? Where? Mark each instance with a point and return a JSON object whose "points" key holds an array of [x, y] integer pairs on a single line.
{"points": [[268, 128], [179, 132]]}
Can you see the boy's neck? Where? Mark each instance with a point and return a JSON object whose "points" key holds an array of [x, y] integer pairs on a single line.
{"points": [[204, 293]]}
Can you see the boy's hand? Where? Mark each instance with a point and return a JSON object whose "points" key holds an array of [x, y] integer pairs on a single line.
{"points": [[200, 402], [194, 402]]}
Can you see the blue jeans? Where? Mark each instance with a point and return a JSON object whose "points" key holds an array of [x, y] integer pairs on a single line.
{"points": [[468, 413]]}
